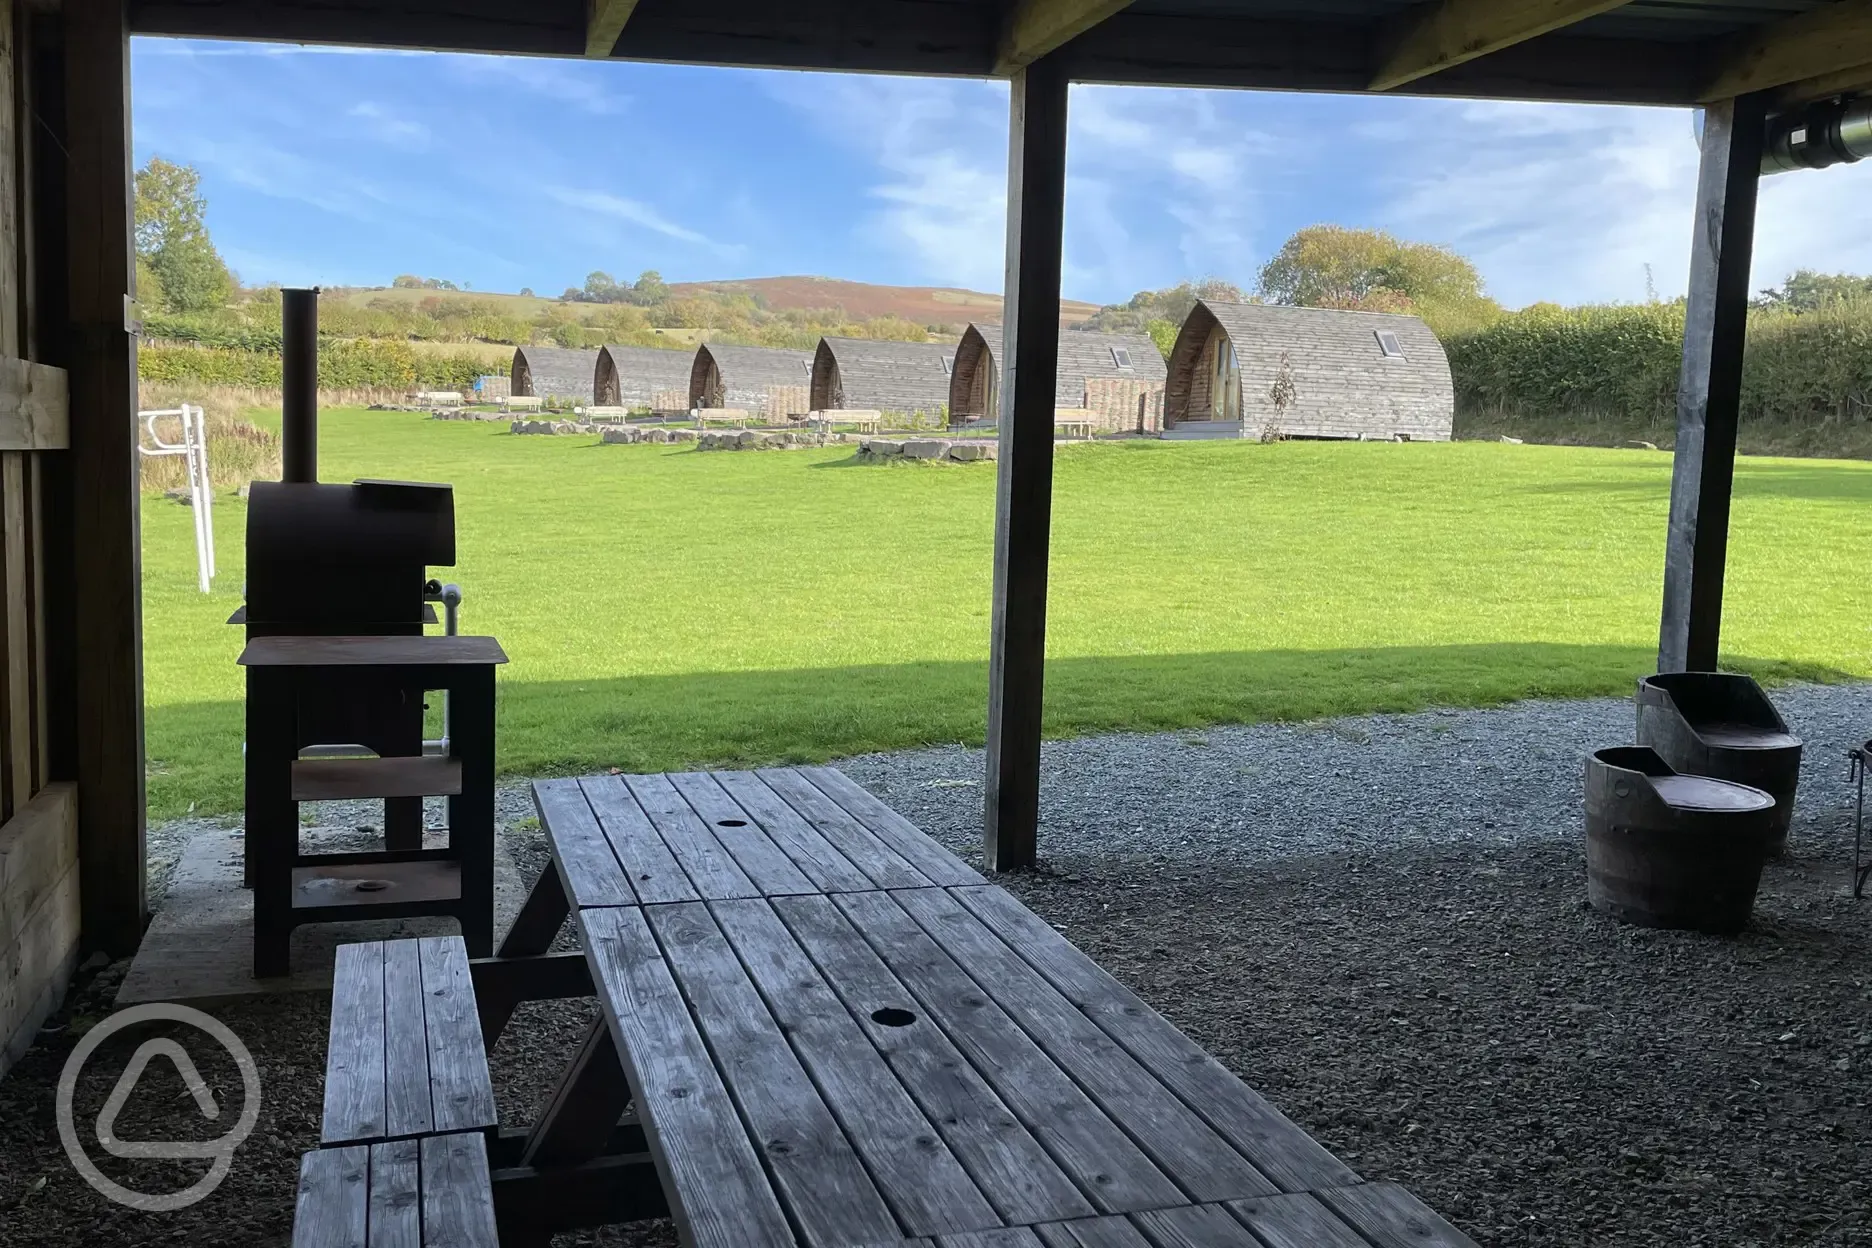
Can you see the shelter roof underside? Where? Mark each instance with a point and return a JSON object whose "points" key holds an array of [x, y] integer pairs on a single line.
{"points": [[1646, 51]]}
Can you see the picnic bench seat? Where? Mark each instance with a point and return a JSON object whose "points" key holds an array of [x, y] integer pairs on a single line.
{"points": [[435, 1192], [405, 1057]]}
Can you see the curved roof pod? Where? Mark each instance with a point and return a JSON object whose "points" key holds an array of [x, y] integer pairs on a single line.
{"points": [[1083, 357], [556, 371], [743, 377], [1372, 375], [866, 374], [634, 376]]}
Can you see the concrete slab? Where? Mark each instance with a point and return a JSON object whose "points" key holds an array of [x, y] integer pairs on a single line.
{"points": [[199, 947]]}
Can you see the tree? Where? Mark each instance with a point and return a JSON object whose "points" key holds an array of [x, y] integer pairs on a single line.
{"points": [[1332, 266], [172, 238], [526, 292], [600, 287], [649, 289], [1808, 291], [1171, 304], [406, 281]]}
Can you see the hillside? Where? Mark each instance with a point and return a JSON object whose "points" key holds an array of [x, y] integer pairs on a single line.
{"points": [[927, 305], [860, 301]]}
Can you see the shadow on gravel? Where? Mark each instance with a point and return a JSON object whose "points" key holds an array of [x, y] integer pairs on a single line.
{"points": [[726, 719]]}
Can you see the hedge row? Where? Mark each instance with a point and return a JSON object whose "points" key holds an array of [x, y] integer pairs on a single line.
{"points": [[342, 366], [1623, 362]]}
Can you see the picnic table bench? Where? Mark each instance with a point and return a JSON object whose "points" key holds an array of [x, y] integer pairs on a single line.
{"points": [[835, 1034]]}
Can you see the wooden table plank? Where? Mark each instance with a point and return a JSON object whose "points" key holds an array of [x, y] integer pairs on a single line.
{"points": [[825, 1185], [425, 651], [1009, 1165], [459, 1088], [645, 860], [457, 1193], [916, 846], [1267, 1137], [902, 1149], [1108, 1167], [1295, 1221], [1185, 1146], [770, 870], [354, 1067], [408, 1101], [694, 1132], [817, 858], [396, 1195], [332, 1209], [1208, 1226], [709, 867], [1093, 1233], [886, 867], [584, 856], [1391, 1217]]}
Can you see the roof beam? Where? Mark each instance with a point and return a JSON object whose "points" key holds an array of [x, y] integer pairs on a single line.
{"points": [[1035, 27], [604, 23], [1854, 81], [1449, 32], [1820, 42]]}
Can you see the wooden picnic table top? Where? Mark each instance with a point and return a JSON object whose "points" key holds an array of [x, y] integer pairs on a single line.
{"points": [[837, 1035]]}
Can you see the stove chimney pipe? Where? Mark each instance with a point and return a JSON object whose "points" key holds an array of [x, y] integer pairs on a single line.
{"points": [[299, 385]]}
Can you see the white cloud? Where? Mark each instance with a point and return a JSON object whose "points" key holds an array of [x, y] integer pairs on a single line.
{"points": [[389, 128], [939, 156], [634, 212]]}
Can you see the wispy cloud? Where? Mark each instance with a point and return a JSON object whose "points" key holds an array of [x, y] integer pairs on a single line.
{"points": [[389, 127], [938, 152], [634, 212], [595, 88]]}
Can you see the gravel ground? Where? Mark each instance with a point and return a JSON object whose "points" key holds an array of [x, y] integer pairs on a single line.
{"points": [[1377, 921]]}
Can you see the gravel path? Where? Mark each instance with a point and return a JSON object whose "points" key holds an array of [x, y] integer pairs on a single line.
{"points": [[1369, 784], [1377, 921]]}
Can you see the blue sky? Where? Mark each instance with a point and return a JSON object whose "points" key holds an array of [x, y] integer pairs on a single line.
{"points": [[341, 167]]}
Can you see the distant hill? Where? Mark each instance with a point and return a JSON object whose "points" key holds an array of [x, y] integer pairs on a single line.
{"points": [[863, 301]]}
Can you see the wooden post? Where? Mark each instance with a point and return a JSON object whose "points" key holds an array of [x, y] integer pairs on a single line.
{"points": [[1709, 389], [108, 623], [1024, 472]]}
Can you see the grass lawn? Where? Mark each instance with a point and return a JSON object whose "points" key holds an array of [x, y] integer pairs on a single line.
{"points": [[666, 608]]}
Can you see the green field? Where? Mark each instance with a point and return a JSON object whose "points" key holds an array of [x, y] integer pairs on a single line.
{"points": [[665, 607]]}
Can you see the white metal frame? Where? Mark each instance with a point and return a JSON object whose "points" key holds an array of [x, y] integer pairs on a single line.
{"points": [[194, 450]]}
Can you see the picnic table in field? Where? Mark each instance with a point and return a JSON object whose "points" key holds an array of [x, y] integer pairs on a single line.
{"points": [[818, 1027]]}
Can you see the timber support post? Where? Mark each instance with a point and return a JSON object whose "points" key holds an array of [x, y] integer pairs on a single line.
{"points": [[1709, 388], [108, 614], [1024, 472]]}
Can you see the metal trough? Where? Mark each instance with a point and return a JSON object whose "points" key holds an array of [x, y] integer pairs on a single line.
{"points": [[1670, 850], [1723, 726]]}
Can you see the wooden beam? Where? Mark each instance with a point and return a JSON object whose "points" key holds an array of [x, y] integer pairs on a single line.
{"points": [[604, 22], [1152, 49], [34, 407], [1854, 81], [38, 914], [1449, 32], [1821, 41], [1034, 28], [1709, 387], [107, 624], [1036, 202]]}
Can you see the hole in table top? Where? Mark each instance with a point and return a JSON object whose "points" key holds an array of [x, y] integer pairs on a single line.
{"points": [[891, 1016], [731, 823]]}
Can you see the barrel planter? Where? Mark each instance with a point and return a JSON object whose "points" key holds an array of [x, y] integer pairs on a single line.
{"points": [[1723, 726], [1665, 849]]}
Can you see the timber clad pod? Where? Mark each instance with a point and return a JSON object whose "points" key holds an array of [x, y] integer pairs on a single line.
{"points": [[1722, 725], [1670, 850], [897, 378], [753, 379], [554, 372], [1106, 374], [1354, 375], [633, 376]]}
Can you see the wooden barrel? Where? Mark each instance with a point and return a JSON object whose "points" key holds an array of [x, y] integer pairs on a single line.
{"points": [[1722, 725], [1670, 850]]}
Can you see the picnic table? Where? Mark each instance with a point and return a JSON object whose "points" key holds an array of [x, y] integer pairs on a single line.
{"points": [[830, 1032]]}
